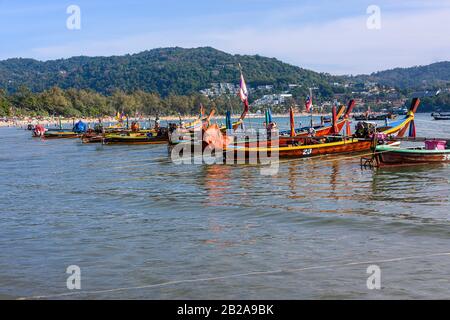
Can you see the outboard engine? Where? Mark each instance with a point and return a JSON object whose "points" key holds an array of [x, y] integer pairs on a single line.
{"points": [[364, 129]]}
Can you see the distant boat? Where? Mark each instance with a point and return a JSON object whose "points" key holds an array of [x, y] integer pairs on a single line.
{"points": [[374, 117], [441, 115], [326, 119], [401, 112]]}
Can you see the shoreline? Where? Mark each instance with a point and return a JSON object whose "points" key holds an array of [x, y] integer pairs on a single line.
{"points": [[23, 122], [54, 122]]}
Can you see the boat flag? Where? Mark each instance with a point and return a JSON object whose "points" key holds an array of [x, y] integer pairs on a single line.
{"points": [[243, 92], [308, 104]]}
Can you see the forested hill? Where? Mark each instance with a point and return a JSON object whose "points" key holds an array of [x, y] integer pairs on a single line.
{"points": [[436, 75], [166, 70], [186, 71]]}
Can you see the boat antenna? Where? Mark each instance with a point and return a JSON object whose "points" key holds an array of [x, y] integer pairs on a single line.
{"points": [[311, 110]]}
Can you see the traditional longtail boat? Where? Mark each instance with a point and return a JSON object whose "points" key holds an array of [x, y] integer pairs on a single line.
{"points": [[433, 152], [293, 148], [300, 147], [211, 135], [98, 134], [137, 138], [317, 131], [374, 117], [39, 131], [78, 129], [61, 135], [441, 115]]}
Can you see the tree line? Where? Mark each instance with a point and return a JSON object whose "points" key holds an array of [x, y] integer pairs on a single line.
{"points": [[88, 103]]}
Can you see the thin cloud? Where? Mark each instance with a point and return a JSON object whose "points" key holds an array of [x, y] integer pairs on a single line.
{"points": [[404, 40], [341, 46]]}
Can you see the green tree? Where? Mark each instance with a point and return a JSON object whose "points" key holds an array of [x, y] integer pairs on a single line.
{"points": [[55, 101], [4, 104]]}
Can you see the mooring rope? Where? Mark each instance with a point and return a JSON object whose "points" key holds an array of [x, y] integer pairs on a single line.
{"points": [[253, 273]]}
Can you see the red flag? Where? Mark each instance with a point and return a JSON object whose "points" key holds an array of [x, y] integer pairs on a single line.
{"points": [[308, 104]]}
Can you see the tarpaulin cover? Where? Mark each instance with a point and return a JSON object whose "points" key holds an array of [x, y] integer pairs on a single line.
{"points": [[80, 127]]}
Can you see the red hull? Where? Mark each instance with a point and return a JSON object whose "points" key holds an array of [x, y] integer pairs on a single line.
{"points": [[303, 151]]}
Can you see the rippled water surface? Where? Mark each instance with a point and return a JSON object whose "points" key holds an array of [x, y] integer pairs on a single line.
{"points": [[129, 217]]}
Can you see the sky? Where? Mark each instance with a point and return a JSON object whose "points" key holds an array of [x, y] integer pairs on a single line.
{"points": [[338, 37]]}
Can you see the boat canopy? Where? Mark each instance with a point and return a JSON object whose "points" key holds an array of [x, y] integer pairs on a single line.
{"points": [[80, 127]]}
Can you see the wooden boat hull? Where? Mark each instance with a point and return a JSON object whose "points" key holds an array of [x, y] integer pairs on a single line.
{"points": [[180, 136], [341, 146], [350, 147], [92, 138], [388, 156], [97, 137], [441, 117], [61, 135], [135, 140]]}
